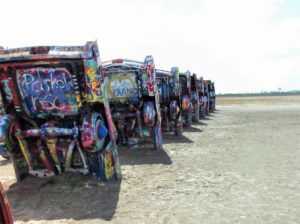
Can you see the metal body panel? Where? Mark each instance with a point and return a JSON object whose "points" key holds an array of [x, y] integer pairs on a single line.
{"points": [[48, 92], [134, 101]]}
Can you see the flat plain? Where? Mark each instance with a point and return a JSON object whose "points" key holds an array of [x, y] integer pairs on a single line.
{"points": [[239, 165]]}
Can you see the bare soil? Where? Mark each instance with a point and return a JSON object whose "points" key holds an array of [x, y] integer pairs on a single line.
{"points": [[240, 165]]}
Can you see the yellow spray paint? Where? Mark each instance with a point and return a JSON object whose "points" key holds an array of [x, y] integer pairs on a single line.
{"points": [[51, 145], [24, 148]]}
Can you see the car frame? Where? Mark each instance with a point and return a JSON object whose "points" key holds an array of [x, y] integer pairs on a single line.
{"points": [[186, 93], [170, 101], [134, 102], [57, 118]]}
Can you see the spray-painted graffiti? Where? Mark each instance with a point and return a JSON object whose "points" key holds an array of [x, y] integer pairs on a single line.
{"points": [[109, 168], [47, 91], [8, 94], [151, 75], [122, 86], [129, 91], [4, 124], [93, 80], [174, 82], [6, 87], [48, 84]]}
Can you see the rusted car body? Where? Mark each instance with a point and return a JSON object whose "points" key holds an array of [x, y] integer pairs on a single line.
{"points": [[212, 96], [186, 93], [56, 117], [206, 97], [202, 98], [170, 100], [195, 99], [134, 102]]}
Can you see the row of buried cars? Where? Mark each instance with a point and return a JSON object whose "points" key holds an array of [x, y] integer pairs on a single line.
{"points": [[63, 109]]}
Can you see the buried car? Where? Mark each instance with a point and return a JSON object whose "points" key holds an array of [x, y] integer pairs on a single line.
{"points": [[212, 96], [134, 101], [169, 92], [195, 99], [186, 93], [202, 97], [206, 97], [56, 118]]}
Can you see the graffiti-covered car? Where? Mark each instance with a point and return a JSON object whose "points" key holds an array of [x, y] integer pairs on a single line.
{"points": [[56, 116], [206, 96], [195, 97], [202, 97], [134, 101], [186, 103], [169, 96], [5, 212], [212, 96]]}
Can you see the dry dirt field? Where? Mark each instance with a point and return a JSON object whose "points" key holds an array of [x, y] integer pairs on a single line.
{"points": [[240, 165]]}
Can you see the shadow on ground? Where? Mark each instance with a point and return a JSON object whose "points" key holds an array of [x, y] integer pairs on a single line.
{"points": [[171, 139], [69, 196], [193, 129], [207, 118], [72, 196], [201, 123], [143, 156], [5, 162]]}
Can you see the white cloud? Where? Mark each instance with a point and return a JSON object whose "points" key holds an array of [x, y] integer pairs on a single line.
{"points": [[234, 42]]}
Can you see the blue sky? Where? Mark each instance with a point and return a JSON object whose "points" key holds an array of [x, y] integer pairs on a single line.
{"points": [[289, 9], [243, 45]]}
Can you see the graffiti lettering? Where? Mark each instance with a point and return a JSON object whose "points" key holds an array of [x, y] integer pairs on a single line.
{"points": [[123, 88], [47, 90], [93, 80]]}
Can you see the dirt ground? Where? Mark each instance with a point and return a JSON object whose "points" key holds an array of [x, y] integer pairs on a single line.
{"points": [[240, 165]]}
